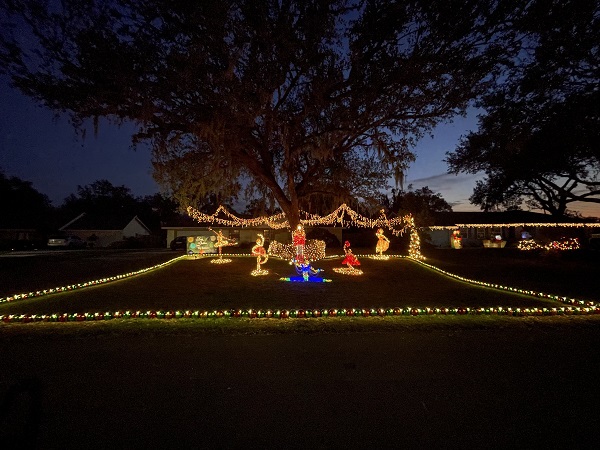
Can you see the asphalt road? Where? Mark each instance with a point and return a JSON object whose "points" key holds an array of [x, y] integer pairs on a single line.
{"points": [[498, 388]]}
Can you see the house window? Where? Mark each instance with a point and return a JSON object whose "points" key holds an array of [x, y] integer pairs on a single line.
{"points": [[480, 233]]}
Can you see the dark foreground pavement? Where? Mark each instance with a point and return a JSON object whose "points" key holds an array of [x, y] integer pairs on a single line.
{"points": [[501, 388]]}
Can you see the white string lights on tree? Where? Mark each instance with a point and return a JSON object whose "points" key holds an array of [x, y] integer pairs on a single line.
{"points": [[343, 216]]}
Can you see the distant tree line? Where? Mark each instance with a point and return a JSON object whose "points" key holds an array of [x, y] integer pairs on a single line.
{"points": [[23, 206]]}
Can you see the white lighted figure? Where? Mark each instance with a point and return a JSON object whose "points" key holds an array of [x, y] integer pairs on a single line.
{"points": [[261, 256], [221, 242], [383, 243], [350, 260]]}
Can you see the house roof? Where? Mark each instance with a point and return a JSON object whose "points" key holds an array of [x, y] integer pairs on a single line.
{"points": [[87, 221], [495, 218]]}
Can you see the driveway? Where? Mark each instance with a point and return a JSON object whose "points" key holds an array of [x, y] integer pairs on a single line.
{"points": [[499, 388]]}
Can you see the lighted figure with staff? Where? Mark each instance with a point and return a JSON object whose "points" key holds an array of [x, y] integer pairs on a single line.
{"points": [[261, 256]]}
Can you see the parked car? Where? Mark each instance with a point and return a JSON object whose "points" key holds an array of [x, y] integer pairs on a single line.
{"points": [[179, 243], [66, 242]]}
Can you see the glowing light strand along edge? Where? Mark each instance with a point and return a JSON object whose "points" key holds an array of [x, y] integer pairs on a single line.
{"points": [[72, 287], [584, 308], [296, 313]]}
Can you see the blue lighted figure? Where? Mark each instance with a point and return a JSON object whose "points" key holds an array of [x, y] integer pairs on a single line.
{"points": [[302, 265], [305, 271]]}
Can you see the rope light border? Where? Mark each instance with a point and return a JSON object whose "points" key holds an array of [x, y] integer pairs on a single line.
{"points": [[581, 307]]}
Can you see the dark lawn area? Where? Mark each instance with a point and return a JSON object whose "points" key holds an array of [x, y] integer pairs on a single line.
{"points": [[569, 273], [30, 271], [198, 284]]}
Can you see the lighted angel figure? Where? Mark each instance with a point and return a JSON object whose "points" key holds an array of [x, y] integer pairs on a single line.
{"points": [[299, 240], [383, 243], [350, 260], [261, 255]]}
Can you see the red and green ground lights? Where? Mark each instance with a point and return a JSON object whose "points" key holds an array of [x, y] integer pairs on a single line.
{"points": [[572, 306]]}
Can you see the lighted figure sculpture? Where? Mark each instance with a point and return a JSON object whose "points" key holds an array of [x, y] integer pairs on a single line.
{"points": [[221, 242], [305, 272], [261, 256], [350, 260], [299, 240], [302, 265], [383, 243], [456, 239]]}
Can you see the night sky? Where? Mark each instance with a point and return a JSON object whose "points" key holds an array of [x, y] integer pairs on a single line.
{"points": [[38, 147]]}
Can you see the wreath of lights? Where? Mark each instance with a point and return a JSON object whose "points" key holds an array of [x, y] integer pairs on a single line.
{"points": [[576, 307], [343, 216]]}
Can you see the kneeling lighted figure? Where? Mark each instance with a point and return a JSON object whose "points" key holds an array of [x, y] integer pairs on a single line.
{"points": [[350, 260], [305, 272]]}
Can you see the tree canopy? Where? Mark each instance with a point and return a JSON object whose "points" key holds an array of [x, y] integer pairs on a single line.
{"points": [[539, 140], [422, 203], [309, 100], [22, 205], [111, 205]]}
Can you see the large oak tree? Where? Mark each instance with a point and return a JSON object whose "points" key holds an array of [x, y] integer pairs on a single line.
{"points": [[307, 99], [539, 140]]}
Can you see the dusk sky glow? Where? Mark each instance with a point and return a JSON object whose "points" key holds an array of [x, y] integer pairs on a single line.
{"points": [[37, 147]]}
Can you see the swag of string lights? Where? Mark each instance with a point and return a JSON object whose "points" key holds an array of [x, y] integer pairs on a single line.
{"points": [[343, 216]]}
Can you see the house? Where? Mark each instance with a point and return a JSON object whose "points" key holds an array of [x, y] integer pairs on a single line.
{"points": [[102, 231], [497, 229]]}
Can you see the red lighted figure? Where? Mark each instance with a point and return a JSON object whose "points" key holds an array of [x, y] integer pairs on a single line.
{"points": [[350, 259]]}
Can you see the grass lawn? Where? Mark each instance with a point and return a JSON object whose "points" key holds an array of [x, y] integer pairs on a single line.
{"points": [[198, 284]]}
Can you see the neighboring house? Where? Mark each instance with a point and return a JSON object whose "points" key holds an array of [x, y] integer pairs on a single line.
{"points": [[478, 228], [103, 231]]}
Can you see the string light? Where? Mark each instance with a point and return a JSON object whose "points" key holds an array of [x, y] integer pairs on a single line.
{"points": [[513, 225], [347, 271], [575, 306], [343, 216], [299, 313], [528, 245], [220, 260], [314, 250], [72, 287], [559, 245]]}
